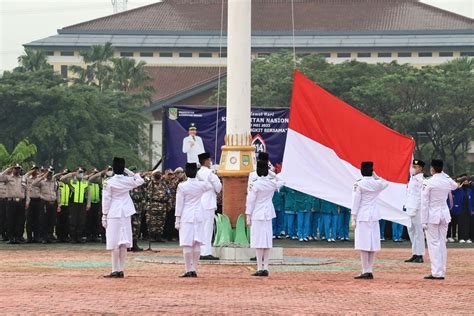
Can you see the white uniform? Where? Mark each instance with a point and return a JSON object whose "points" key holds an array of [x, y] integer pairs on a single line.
{"points": [[253, 177], [435, 214], [260, 208], [365, 213], [118, 206], [189, 210], [193, 146], [209, 206], [412, 206]]}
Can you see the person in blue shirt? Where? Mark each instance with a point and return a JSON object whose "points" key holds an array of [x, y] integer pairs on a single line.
{"points": [[329, 211], [315, 218], [279, 220], [344, 219], [303, 207], [290, 211], [463, 207]]}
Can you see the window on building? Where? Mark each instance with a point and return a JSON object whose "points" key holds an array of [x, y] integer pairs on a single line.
{"points": [[343, 55], [446, 54], [64, 71], [146, 54], [67, 53], [205, 55], [404, 54], [425, 54], [185, 54], [363, 55], [223, 55], [49, 53], [324, 55], [467, 54], [384, 55], [126, 54], [166, 54]]}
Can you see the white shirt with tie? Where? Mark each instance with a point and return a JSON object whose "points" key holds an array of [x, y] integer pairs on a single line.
{"points": [[192, 147]]}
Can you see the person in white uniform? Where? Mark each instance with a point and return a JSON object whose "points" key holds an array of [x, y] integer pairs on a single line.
{"points": [[366, 216], [259, 214], [435, 217], [209, 204], [262, 156], [412, 207], [117, 209], [192, 145], [190, 219]]}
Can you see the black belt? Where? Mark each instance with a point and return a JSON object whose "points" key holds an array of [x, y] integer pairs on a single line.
{"points": [[50, 202]]}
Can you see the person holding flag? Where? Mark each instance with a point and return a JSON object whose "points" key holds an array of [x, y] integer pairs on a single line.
{"points": [[365, 217]]}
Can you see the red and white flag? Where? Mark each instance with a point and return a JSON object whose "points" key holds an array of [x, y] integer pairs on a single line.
{"points": [[328, 139]]}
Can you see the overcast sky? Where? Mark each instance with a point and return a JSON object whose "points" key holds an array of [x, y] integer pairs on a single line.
{"points": [[23, 21]]}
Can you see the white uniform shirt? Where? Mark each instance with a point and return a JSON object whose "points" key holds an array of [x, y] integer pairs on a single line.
{"points": [[116, 200], [434, 195], [364, 199], [259, 198], [188, 200], [253, 176], [193, 147], [209, 198], [413, 197]]}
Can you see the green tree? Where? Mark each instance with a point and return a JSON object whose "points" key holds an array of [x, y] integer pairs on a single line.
{"points": [[128, 74], [33, 60], [98, 70], [21, 153]]}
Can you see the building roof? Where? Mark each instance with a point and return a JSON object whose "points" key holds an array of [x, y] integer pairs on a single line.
{"points": [[173, 84], [274, 16]]}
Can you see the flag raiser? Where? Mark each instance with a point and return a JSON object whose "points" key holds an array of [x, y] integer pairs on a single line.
{"points": [[328, 139]]}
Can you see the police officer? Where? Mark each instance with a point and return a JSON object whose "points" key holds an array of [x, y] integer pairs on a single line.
{"points": [[3, 211], [138, 198], [62, 218], [435, 217], [77, 204], [49, 195], [33, 207], [99, 179], [16, 192], [94, 209]]}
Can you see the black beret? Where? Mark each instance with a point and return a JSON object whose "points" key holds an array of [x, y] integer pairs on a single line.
{"points": [[437, 163], [418, 162], [204, 156], [263, 156]]}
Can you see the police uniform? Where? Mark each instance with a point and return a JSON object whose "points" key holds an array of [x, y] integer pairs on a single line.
{"points": [[159, 196], [15, 213], [209, 204], [34, 207], [190, 218], [94, 211], [435, 217], [412, 207], [366, 216], [62, 218], [77, 204], [3, 211], [49, 195]]}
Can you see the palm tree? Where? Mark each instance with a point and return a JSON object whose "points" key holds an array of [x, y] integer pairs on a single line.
{"points": [[128, 74], [97, 71], [33, 60], [22, 152]]}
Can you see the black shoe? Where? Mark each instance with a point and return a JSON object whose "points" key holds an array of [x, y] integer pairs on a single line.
{"points": [[258, 273], [135, 247], [193, 274], [121, 275], [431, 277], [411, 259], [209, 257], [30, 241], [418, 259], [187, 275], [265, 273], [365, 276], [253, 259], [115, 274], [12, 241]]}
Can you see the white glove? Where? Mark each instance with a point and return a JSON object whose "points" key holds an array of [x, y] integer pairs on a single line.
{"points": [[177, 223], [128, 172], [104, 221], [425, 226], [248, 220], [354, 224]]}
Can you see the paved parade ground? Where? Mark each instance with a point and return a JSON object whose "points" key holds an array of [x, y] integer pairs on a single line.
{"points": [[66, 279]]}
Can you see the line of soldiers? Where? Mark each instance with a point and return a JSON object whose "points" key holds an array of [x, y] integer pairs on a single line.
{"points": [[66, 206]]}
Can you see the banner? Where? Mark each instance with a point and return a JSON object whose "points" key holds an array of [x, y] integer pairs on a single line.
{"points": [[269, 128]]}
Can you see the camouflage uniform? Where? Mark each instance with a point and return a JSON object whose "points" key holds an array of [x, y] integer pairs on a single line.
{"points": [[138, 197], [159, 199]]}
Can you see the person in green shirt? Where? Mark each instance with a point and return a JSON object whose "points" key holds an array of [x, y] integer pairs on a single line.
{"points": [[303, 207], [289, 196], [315, 219], [330, 212]]}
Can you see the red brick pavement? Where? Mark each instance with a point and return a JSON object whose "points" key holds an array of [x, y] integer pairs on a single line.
{"points": [[30, 286]]}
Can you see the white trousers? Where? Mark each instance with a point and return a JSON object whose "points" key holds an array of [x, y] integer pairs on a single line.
{"points": [[436, 239], [206, 247], [415, 232], [367, 259]]}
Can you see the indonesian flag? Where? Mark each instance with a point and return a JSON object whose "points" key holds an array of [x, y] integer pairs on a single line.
{"points": [[328, 139]]}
